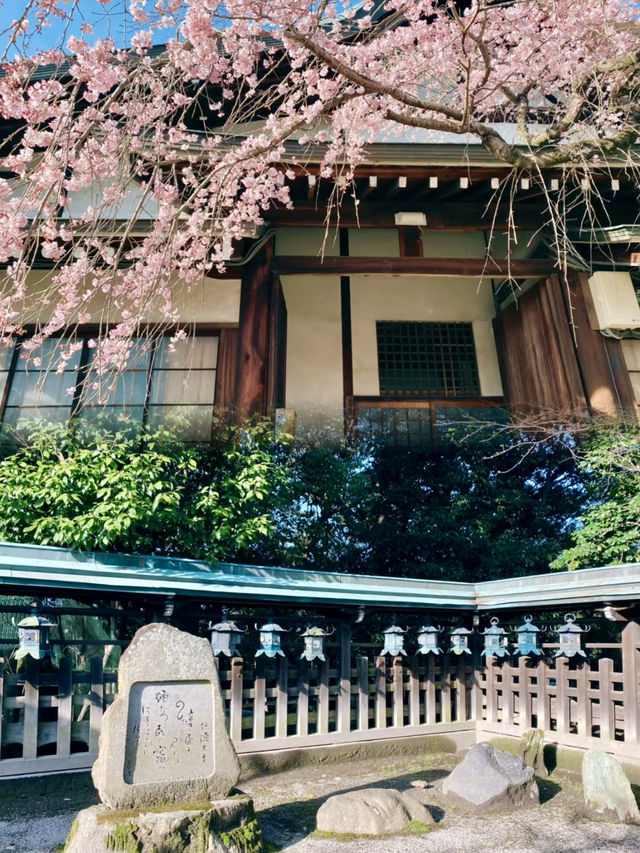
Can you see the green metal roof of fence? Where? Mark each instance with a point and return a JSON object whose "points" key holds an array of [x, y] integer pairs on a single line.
{"points": [[35, 569]]}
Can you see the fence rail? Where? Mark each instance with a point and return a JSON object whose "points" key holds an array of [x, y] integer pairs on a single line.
{"points": [[584, 706], [50, 721]]}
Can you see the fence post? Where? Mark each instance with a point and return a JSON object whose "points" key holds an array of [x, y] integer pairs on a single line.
{"points": [[322, 727], [543, 712], [445, 690], [398, 692], [344, 694], [259, 700], [631, 674], [282, 698], [430, 710], [302, 722], [97, 703], [31, 708], [524, 701], [476, 687], [363, 693], [65, 708], [235, 707], [605, 668], [414, 691], [381, 692], [492, 699]]}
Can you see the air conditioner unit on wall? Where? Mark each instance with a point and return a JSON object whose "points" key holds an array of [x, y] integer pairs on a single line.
{"points": [[615, 300]]}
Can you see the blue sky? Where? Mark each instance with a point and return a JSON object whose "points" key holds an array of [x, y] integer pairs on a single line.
{"points": [[107, 20]]}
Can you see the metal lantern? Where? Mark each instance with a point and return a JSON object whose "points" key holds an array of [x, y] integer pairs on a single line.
{"points": [[569, 635], [314, 640], [33, 637], [393, 640], [270, 640], [226, 638], [428, 640], [495, 640], [460, 641], [527, 639]]}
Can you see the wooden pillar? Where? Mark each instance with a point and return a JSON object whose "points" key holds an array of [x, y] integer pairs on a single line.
{"points": [[344, 692], [253, 336], [631, 675]]}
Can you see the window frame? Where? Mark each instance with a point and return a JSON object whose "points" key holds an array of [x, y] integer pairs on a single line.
{"points": [[85, 333], [448, 365]]}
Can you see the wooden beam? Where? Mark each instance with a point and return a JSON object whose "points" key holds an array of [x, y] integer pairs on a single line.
{"points": [[465, 216], [450, 267]]}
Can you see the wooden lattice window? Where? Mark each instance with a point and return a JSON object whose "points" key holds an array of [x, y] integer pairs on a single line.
{"points": [[427, 359]]}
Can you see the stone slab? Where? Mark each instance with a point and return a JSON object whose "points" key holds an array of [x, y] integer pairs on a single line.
{"points": [[225, 826], [489, 778], [371, 811], [607, 791], [164, 738]]}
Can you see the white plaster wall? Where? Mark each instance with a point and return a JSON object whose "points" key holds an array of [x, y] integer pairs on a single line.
{"points": [[450, 244], [631, 353], [211, 301], [314, 350], [307, 241], [374, 242], [414, 299]]}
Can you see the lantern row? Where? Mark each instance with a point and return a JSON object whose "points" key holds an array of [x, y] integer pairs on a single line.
{"points": [[227, 636], [33, 637]]}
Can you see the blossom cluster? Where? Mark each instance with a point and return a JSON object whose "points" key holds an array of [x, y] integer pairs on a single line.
{"points": [[196, 133]]}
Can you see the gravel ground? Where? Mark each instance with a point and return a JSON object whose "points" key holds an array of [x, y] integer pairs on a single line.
{"points": [[35, 814]]}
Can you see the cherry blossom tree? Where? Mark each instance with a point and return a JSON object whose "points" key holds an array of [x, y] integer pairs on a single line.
{"points": [[89, 116]]}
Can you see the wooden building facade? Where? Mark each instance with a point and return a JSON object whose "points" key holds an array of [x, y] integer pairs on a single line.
{"points": [[424, 297]]}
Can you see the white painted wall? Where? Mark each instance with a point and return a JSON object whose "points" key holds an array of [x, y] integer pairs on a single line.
{"points": [[211, 301], [307, 241], [314, 350], [420, 299]]}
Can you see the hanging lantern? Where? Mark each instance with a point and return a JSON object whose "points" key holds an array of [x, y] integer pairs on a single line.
{"points": [[428, 640], [226, 638], [393, 640], [495, 640], [270, 640], [527, 639], [314, 640], [33, 637], [460, 641], [569, 635]]}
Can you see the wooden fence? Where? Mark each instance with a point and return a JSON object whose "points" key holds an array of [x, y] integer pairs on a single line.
{"points": [[584, 705], [51, 721]]}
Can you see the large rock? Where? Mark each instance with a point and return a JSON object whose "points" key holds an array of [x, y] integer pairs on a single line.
{"points": [[489, 778], [371, 811], [607, 791], [164, 740], [226, 826]]}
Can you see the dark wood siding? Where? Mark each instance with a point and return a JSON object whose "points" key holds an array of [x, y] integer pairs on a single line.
{"points": [[226, 375], [538, 353]]}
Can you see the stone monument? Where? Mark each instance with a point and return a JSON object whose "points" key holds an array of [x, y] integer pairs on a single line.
{"points": [[166, 765]]}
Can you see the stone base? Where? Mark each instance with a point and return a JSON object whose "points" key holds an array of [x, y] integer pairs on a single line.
{"points": [[222, 826]]}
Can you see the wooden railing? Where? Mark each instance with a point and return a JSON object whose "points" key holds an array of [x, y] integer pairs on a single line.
{"points": [[277, 705], [581, 705], [419, 422], [51, 720]]}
